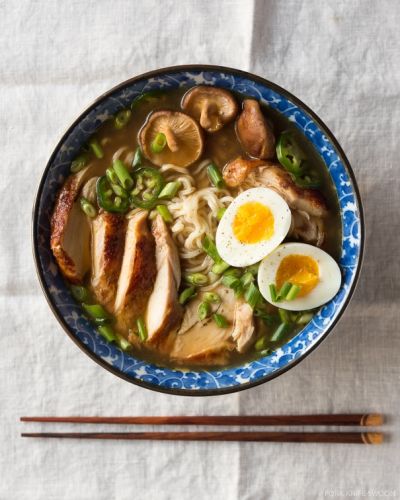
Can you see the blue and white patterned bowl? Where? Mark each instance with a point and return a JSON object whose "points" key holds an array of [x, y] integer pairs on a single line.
{"points": [[200, 382]]}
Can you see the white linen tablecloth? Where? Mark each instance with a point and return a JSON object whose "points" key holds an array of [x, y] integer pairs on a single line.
{"points": [[342, 59]]}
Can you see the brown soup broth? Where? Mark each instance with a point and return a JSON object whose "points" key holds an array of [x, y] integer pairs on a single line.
{"points": [[221, 147]]}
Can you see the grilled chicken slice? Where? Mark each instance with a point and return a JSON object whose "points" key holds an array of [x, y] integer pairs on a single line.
{"points": [[236, 171], [243, 326], [306, 200], [202, 341], [71, 252], [163, 309], [107, 250], [137, 274]]}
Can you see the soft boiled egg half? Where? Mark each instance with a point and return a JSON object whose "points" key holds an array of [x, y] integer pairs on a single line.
{"points": [[255, 223], [308, 267]]}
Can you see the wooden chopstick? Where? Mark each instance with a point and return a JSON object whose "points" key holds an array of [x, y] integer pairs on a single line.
{"points": [[359, 419], [280, 437]]}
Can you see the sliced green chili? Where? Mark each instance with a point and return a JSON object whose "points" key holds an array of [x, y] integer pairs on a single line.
{"points": [[170, 190], [79, 163], [187, 295], [87, 207], [96, 148], [120, 191], [165, 213], [158, 143], [148, 185], [123, 174], [112, 176], [290, 154], [106, 198], [122, 118], [220, 320], [215, 176]]}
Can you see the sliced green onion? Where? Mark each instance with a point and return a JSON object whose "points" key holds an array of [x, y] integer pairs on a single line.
{"points": [[304, 318], [159, 143], [112, 176], [215, 176], [269, 319], [252, 295], [284, 290], [280, 332], [231, 281], [196, 279], [220, 267], [79, 163], [170, 190], [123, 175], [150, 96], [234, 271], [142, 330], [253, 269], [260, 344], [284, 315], [247, 278], [87, 207], [123, 343], [79, 293], [119, 191], [220, 213], [293, 292], [122, 118], [220, 320], [272, 291], [96, 148], [204, 310], [138, 158], [164, 212], [107, 332], [210, 248], [266, 352], [187, 294], [212, 298], [96, 312]]}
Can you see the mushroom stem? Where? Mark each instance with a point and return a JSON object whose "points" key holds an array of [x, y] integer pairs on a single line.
{"points": [[171, 140]]}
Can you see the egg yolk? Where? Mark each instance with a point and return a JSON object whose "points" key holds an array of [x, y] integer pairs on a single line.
{"points": [[253, 223], [300, 270]]}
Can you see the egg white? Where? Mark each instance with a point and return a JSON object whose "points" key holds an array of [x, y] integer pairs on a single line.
{"points": [[239, 254], [328, 285]]}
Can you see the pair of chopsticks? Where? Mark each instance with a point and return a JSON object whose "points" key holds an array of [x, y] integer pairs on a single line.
{"points": [[361, 437]]}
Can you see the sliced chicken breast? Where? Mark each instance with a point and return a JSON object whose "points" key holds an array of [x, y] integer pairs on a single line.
{"points": [[108, 232], [137, 274], [71, 253], [243, 326], [163, 309]]}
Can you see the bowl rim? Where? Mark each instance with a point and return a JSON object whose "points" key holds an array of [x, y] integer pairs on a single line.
{"points": [[235, 72]]}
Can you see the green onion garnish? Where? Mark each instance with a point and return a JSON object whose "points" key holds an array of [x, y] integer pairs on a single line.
{"points": [[280, 332], [138, 158], [204, 310], [196, 279], [187, 294], [212, 298], [252, 295], [284, 290], [122, 118], [260, 344], [247, 278], [272, 291], [220, 320], [119, 191], [87, 207], [96, 312], [210, 249], [111, 176], [159, 143], [293, 292], [304, 318], [79, 293], [215, 176], [78, 164], [107, 332], [123, 343], [170, 190], [220, 267], [164, 212], [142, 330], [220, 213], [123, 175], [96, 148], [284, 315]]}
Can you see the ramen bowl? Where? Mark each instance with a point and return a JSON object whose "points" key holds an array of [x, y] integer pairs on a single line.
{"points": [[199, 382]]}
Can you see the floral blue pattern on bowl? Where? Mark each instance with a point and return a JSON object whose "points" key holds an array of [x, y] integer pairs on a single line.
{"points": [[201, 382]]}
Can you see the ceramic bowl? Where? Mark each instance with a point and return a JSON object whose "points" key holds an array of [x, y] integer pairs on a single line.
{"points": [[202, 382]]}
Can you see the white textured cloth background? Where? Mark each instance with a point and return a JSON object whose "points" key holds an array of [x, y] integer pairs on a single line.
{"points": [[342, 59]]}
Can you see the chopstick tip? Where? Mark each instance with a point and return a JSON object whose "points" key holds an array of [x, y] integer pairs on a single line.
{"points": [[373, 419]]}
